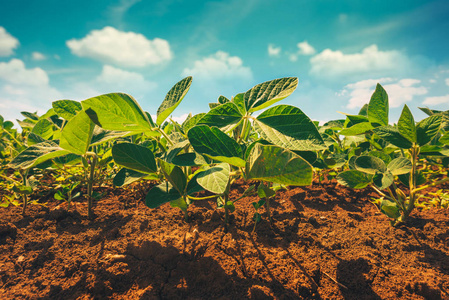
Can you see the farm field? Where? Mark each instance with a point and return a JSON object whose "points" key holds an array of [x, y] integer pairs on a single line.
{"points": [[326, 242]]}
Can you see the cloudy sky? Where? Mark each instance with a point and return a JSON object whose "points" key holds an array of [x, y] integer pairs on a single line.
{"points": [[339, 50]]}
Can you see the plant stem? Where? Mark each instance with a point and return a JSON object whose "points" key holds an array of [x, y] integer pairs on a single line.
{"points": [[242, 133], [267, 204], [11, 136], [90, 183], [165, 135], [24, 196], [431, 184]]}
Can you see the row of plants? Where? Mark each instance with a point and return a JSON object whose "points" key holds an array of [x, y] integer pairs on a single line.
{"points": [[110, 138]]}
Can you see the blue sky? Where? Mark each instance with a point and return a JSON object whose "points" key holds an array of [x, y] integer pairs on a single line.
{"points": [[339, 50]]}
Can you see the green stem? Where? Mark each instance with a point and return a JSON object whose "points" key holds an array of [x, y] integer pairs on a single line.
{"points": [[414, 151], [242, 133], [202, 198], [267, 204], [431, 184], [11, 136], [24, 196], [90, 183], [165, 135], [7, 178]]}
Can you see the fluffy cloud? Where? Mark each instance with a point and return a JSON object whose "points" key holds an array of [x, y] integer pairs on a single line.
{"points": [[127, 49], [333, 64], [436, 100], [273, 50], [7, 43], [38, 56], [114, 79], [220, 66], [447, 81], [399, 91], [24, 89], [305, 48]]}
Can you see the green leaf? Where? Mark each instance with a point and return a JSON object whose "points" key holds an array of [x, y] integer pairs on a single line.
{"points": [[100, 135], [189, 160], [222, 116], [214, 143], [370, 164], [268, 93], [392, 136], [406, 125], [179, 203], [172, 99], [390, 209], [77, 134], [117, 111], [287, 126], [191, 122], [239, 101], [264, 191], [386, 159], [37, 154], [161, 194], [278, 165], [22, 189], [445, 139], [399, 166], [30, 116], [378, 107], [43, 128], [215, 179], [35, 139], [428, 128], [67, 109], [174, 175], [126, 176], [354, 179], [134, 157], [383, 180], [359, 128]]}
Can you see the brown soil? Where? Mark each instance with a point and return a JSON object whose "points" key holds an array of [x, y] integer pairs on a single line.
{"points": [[326, 242]]}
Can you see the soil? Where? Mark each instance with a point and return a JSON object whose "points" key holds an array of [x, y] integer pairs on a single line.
{"points": [[326, 242]]}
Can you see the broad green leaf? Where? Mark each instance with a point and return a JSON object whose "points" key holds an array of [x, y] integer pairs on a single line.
{"points": [[193, 186], [191, 122], [354, 179], [188, 160], [383, 180], [23, 189], [378, 107], [126, 176], [268, 93], [428, 128], [179, 203], [239, 101], [101, 135], [215, 179], [172, 99], [399, 166], [49, 114], [370, 164], [43, 128], [214, 143], [359, 128], [174, 175], [287, 126], [406, 125], [352, 120], [278, 165], [77, 134], [420, 179], [392, 136], [445, 139], [34, 139], [37, 154], [66, 109], [134, 157], [161, 194], [117, 111], [223, 99], [386, 159], [222, 116], [364, 110], [390, 209], [30, 116]]}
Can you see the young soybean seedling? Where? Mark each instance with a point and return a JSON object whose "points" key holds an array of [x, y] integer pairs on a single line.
{"points": [[257, 216]]}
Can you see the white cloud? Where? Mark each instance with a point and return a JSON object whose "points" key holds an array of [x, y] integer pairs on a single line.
{"points": [[436, 100], [399, 91], [305, 48], [7, 43], [38, 56], [127, 49], [114, 79], [273, 50], [333, 64], [15, 72], [447, 81], [220, 66], [293, 57], [24, 89]]}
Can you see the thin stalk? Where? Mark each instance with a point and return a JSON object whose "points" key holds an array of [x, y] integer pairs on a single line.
{"points": [[431, 184], [267, 204], [24, 196], [242, 133], [7, 178], [90, 183], [165, 135], [202, 198], [186, 213], [412, 182], [11, 136]]}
